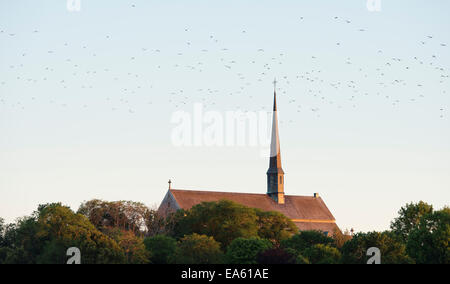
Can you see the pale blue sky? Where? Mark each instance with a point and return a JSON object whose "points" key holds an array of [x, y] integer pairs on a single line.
{"points": [[86, 100]]}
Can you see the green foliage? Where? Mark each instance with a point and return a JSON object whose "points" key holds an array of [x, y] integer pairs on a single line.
{"points": [[393, 251], [132, 246], [112, 232], [312, 247], [2, 231], [409, 219], [277, 256], [59, 229], [125, 215], [274, 226], [162, 248], [223, 220], [428, 242], [341, 238], [322, 254], [226, 220], [22, 241], [4, 252], [45, 237], [245, 251], [13, 256], [302, 260], [306, 239], [198, 249]]}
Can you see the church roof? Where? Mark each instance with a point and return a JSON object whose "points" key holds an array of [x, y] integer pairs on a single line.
{"points": [[307, 212]]}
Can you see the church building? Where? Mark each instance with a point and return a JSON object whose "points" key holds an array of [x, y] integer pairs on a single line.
{"points": [[307, 212]]}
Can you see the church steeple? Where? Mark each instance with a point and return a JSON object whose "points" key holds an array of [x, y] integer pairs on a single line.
{"points": [[275, 174]]}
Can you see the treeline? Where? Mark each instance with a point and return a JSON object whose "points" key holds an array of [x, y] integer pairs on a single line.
{"points": [[213, 233]]}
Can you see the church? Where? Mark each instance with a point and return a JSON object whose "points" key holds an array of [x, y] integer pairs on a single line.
{"points": [[307, 212]]}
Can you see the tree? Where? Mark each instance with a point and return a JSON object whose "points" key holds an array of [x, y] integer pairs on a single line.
{"points": [[45, 236], [409, 219], [277, 256], [245, 251], [162, 248], [274, 226], [132, 246], [226, 220], [158, 224], [322, 254], [2, 230], [11, 251], [306, 239], [21, 241], [393, 251], [198, 249], [341, 238], [13, 256], [125, 215], [59, 228], [223, 220], [428, 242]]}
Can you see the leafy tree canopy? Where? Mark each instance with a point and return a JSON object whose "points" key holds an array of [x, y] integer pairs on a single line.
{"points": [[428, 242], [340, 238], [126, 215], [306, 239], [162, 248], [45, 237], [132, 246], [60, 228], [198, 249], [245, 251], [277, 256], [2, 230], [322, 254], [113, 232], [223, 220], [274, 226], [409, 218], [226, 220], [393, 251]]}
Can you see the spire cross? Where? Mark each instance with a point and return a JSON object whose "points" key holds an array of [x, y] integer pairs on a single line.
{"points": [[170, 184], [275, 84]]}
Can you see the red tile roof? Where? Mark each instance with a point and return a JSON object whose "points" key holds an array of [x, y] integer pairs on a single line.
{"points": [[307, 212]]}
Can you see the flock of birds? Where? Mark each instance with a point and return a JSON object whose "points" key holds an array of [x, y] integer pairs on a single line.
{"points": [[319, 86]]}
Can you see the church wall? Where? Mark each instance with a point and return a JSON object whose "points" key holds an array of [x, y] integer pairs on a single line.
{"points": [[168, 205]]}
